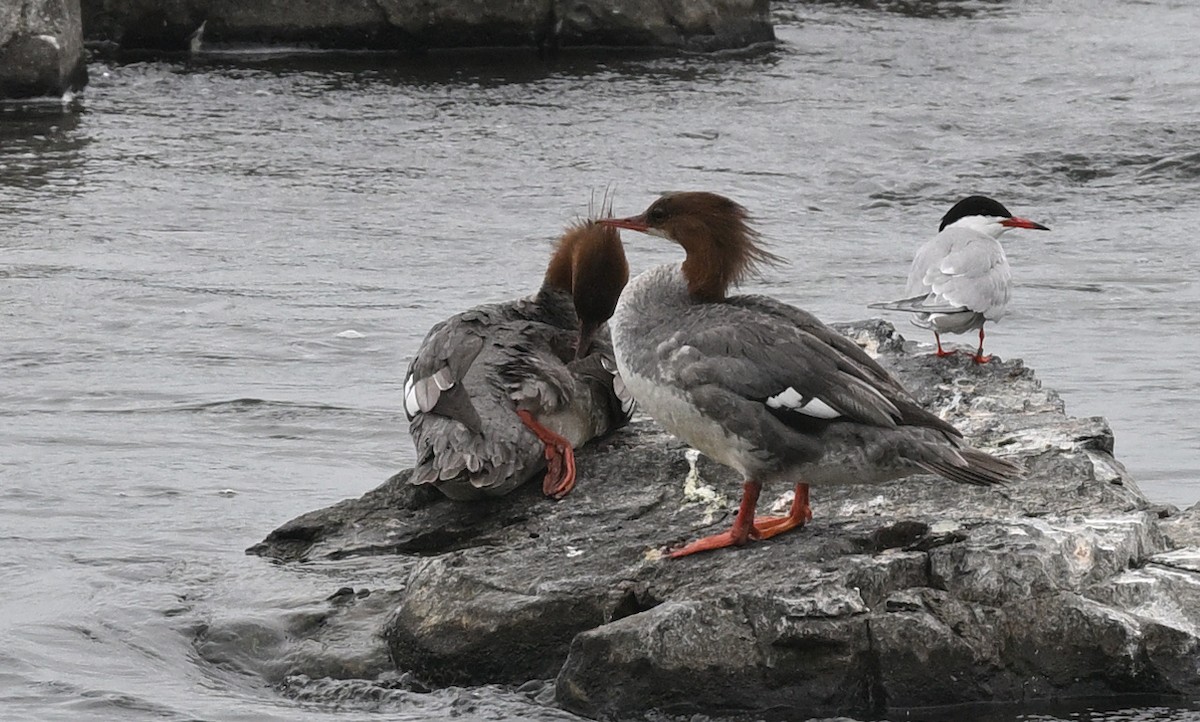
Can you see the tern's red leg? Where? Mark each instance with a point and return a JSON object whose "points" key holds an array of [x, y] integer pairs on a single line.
{"points": [[979, 357], [940, 352], [799, 515], [560, 458], [743, 525]]}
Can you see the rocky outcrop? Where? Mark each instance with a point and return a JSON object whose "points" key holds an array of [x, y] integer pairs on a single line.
{"points": [[404, 26], [914, 593], [41, 48]]}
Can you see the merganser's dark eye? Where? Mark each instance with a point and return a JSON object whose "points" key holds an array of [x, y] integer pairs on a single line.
{"points": [[656, 215]]}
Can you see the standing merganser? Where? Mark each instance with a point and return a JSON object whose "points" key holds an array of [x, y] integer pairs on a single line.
{"points": [[763, 387], [961, 278], [545, 359]]}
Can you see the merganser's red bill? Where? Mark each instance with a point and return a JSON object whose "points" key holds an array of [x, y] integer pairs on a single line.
{"points": [[633, 223], [1015, 222]]}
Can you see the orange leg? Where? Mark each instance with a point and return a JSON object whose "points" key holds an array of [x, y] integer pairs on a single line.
{"points": [[941, 353], [799, 515], [738, 534], [979, 358], [560, 458]]}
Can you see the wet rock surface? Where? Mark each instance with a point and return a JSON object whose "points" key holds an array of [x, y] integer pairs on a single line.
{"points": [[703, 25], [914, 593], [41, 48]]}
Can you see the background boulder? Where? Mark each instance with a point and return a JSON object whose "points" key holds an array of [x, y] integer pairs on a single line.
{"points": [[405, 26], [41, 48]]}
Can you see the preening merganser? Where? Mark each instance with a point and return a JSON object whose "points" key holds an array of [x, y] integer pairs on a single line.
{"points": [[763, 387], [545, 360], [961, 278]]}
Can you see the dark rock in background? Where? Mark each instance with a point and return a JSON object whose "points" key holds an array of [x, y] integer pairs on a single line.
{"points": [[913, 593], [41, 48], [405, 26]]}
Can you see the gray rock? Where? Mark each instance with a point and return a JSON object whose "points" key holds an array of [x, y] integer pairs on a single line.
{"points": [[914, 593], [404, 26], [41, 48]]}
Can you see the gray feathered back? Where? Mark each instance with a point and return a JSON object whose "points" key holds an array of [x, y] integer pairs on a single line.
{"points": [[475, 370]]}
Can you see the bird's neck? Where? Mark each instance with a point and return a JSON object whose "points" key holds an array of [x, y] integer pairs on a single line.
{"points": [[705, 281], [658, 293]]}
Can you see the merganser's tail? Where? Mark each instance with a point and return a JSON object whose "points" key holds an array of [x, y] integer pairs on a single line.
{"points": [[972, 466]]}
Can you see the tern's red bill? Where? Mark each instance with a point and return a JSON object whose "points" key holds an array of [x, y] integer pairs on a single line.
{"points": [[1015, 222]]}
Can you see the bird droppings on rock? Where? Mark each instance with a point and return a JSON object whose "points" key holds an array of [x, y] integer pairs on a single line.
{"points": [[696, 491]]}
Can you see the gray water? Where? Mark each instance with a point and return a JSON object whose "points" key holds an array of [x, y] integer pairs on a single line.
{"points": [[213, 272]]}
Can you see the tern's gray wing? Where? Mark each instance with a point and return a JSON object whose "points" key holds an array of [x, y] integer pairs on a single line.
{"points": [[974, 274], [928, 256], [923, 303]]}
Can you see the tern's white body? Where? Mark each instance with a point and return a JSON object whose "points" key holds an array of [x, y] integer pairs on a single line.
{"points": [[961, 277]]}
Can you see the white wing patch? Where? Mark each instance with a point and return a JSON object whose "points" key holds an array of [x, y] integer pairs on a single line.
{"points": [[623, 395], [791, 400], [410, 398], [443, 379], [618, 385], [421, 395]]}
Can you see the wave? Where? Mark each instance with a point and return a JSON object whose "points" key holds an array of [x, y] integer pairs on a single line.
{"points": [[943, 9], [1182, 166], [250, 404]]}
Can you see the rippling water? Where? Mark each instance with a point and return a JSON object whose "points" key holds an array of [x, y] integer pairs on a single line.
{"points": [[213, 272]]}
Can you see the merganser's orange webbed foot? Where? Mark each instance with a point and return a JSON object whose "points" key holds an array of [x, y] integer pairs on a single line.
{"points": [[560, 458], [799, 515], [729, 538], [738, 534]]}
